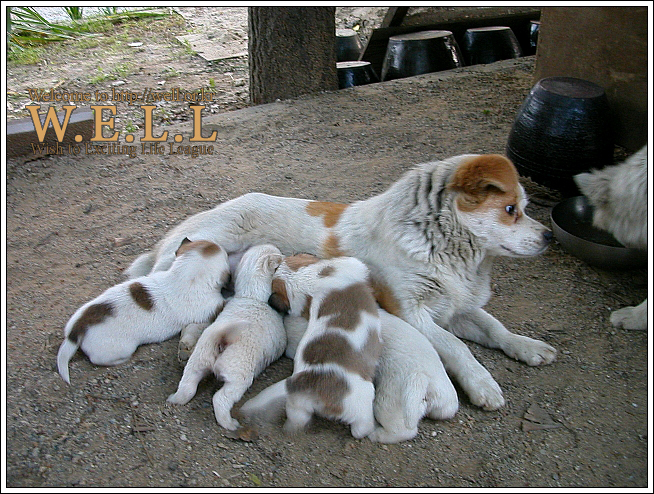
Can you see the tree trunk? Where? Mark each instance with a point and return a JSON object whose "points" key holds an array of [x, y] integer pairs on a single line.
{"points": [[291, 51]]}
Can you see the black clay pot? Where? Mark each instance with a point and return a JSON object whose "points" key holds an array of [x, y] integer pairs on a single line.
{"points": [[489, 44], [420, 53], [355, 74], [348, 45], [561, 129]]}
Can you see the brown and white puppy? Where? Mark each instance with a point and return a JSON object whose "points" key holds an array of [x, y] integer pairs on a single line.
{"points": [[245, 338], [336, 358], [619, 198], [429, 242], [410, 380], [148, 309]]}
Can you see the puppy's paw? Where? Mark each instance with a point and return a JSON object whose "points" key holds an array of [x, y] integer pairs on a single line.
{"points": [[632, 318], [178, 399], [187, 340], [530, 351], [184, 351], [482, 389]]}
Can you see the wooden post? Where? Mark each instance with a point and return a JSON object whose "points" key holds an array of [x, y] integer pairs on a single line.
{"points": [[291, 52]]}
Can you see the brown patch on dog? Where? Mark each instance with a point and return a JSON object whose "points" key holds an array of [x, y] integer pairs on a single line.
{"points": [[298, 261], [141, 296], [278, 300], [336, 348], [326, 271], [330, 211], [327, 387], [331, 247], [481, 177], [206, 248], [345, 306], [306, 310], [94, 314], [385, 298]]}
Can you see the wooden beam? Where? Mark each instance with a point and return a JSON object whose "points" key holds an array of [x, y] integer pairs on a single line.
{"points": [[394, 16]]}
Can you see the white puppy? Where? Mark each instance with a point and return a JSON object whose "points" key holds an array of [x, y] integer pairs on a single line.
{"points": [[336, 358], [148, 309], [410, 380], [619, 198], [243, 340]]}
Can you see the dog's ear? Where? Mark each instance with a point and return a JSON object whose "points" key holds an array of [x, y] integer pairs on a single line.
{"points": [[476, 178], [273, 262], [278, 300], [184, 242]]}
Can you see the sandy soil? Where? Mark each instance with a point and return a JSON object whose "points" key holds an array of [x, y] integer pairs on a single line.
{"points": [[74, 223]]}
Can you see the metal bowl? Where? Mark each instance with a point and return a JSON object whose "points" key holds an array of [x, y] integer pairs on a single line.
{"points": [[572, 224]]}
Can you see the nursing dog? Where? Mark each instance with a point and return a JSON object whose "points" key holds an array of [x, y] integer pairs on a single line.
{"points": [[149, 309], [618, 195], [410, 380], [429, 242], [335, 361], [245, 338]]}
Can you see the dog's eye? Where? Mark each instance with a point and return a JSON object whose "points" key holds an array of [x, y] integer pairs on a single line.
{"points": [[510, 209]]}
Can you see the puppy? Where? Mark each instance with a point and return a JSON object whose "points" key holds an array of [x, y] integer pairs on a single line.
{"points": [[243, 340], [148, 309], [619, 197], [410, 380], [336, 358]]}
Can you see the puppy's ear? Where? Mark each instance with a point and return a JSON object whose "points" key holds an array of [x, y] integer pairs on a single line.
{"points": [[279, 298], [179, 249], [273, 262], [475, 179]]}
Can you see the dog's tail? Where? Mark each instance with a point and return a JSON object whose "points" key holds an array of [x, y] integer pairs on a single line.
{"points": [[268, 404], [226, 334], [413, 393], [142, 265], [66, 351]]}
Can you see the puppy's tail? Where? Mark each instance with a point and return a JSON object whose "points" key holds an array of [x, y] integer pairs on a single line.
{"points": [[412, 394], [66, 351], [268, 404], [142, 265], [226, 334]]}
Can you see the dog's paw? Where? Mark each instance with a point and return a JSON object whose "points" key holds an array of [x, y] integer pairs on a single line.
{"points": [[184, 352], [530, 351], [178, 399], [630, 318], [482, 390]]}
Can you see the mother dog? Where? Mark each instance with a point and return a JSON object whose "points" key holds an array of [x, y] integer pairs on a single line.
{"points": [[429, 242]]}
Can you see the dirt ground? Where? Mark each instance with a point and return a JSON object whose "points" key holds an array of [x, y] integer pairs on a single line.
{"points": [[73, 223]]}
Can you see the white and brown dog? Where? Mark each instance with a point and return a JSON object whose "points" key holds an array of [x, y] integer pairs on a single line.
{"points": [[429, 242], [245, 338], [148, 309], [410, 380], [619, 197], [335, 361]]}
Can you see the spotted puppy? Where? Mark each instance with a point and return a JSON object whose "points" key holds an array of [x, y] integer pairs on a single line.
{"points": [[148, 309], [245, 338], [410, 380], [336, 358]]}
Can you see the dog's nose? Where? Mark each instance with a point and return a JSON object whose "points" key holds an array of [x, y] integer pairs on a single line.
{"points": [[548, 236]]}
